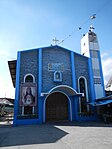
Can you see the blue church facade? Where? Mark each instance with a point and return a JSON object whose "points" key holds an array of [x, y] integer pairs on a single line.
{"points": [[55, 84]]}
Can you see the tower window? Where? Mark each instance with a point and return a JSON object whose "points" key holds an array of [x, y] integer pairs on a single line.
{"points": [[97, 81], [94, 54]]}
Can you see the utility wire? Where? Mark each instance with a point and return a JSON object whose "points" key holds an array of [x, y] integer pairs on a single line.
{"points": [[81, 26], [78, 29]]}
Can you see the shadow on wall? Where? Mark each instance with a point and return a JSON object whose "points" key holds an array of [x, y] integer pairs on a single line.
{"points": [[28, 135]]}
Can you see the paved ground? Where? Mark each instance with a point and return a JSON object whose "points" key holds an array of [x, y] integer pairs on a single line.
{"points": [[57, 136]]}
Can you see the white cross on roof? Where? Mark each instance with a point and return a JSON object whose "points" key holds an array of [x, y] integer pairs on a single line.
{"points": [[55, 41]]}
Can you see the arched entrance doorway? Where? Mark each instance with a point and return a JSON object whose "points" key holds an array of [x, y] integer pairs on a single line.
{"points": [[57, 107]]}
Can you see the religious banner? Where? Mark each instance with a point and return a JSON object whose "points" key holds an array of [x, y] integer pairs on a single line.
{"points": [[28, 96]]}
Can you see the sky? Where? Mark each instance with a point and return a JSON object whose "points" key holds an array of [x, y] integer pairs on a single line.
{"points": [[27, 24]]}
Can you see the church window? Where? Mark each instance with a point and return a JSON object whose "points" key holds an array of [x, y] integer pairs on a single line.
{"points": [[29, 78], [94, 54], [96, 72], [83, 108]]}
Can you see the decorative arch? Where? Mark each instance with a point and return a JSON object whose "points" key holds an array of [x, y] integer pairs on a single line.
{"points": [[30, 77], [67, 89]]}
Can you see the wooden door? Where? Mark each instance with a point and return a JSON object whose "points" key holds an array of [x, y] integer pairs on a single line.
{"points": [[57, 107]]}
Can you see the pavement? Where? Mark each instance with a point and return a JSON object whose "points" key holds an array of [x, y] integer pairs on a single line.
{"points": [[73, 135]]}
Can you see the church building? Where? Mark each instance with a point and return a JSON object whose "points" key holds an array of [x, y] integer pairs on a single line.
{"points": [[54, 84]]}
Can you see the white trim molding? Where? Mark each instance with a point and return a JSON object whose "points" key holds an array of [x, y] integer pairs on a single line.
{"points": [[87, 99], [29, 74]]}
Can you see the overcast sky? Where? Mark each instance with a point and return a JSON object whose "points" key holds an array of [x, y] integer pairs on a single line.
{"points": [[26, 24]]}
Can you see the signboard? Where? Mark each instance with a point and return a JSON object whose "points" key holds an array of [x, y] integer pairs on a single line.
{"points": [[55, 67]]}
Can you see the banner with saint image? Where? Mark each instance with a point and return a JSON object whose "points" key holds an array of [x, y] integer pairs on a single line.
{"points": [[28, 96]]}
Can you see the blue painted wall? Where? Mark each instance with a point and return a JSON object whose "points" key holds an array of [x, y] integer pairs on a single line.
{"points": [[81, 69], [36, 62], [40, 102], [27, 62], [16, 102], [55, 55], [91, 80]]}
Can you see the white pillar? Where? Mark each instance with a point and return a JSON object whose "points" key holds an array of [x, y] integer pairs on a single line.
{"points": [[33, 110], [22, 110]]}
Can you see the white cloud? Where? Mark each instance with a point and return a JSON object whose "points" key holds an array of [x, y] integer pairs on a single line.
{"points": [[107, 69], [6, 88], [18, 7], [103, 55], [4, 54]]}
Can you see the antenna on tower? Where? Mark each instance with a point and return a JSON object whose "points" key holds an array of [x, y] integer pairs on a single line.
{"points": [[92, 18], [92, 28]]}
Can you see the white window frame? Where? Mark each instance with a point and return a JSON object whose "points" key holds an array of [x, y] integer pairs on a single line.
{"points": [[60, 74], [29, 74], [87, 99]]}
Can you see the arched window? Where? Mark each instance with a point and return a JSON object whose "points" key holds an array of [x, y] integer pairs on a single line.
{"points": [[28, 92], [83, 100], [29, 78], [82, 86]]}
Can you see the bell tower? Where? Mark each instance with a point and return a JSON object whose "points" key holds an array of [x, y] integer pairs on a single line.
{"points": [[90, 48]]}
